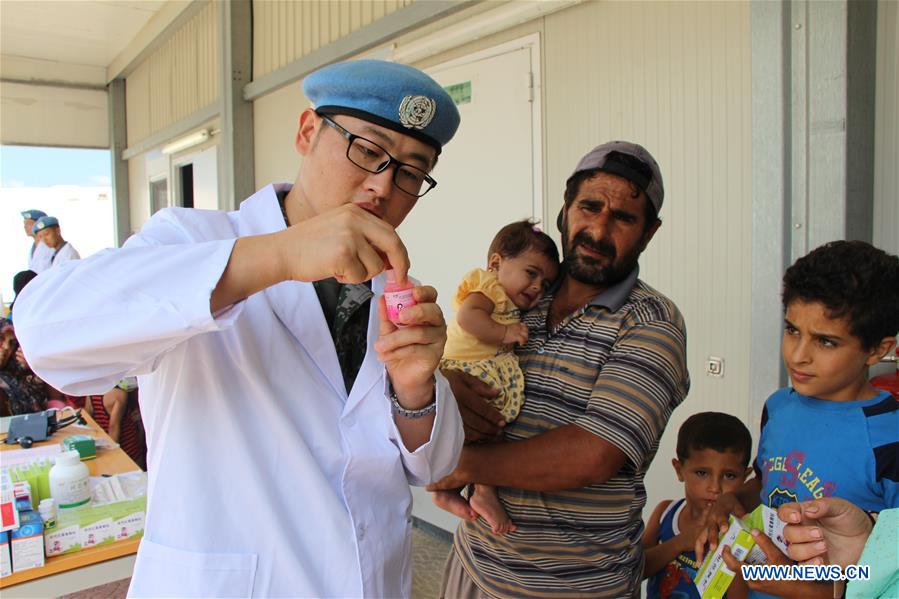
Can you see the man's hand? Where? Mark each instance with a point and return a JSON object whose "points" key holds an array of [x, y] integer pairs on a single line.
{"points": [[830, 529], [455, 480], [717, 522], [412, 353], [516, 334], [481, 419], [346, 243]]}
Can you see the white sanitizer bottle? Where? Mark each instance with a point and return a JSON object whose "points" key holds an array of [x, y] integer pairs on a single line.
{"points": [[70, 483]]}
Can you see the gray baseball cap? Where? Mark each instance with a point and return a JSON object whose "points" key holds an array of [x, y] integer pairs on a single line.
{"points": [[631, 161]]}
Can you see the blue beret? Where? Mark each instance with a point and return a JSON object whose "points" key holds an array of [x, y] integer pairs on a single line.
{"points": [[44, 222], [33, 214], [389, 94]]}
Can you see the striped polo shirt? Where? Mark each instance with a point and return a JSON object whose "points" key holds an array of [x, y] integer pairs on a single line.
{"points": [[618, 368]]}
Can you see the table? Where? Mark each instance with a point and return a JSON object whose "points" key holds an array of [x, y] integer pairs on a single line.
{"points": [[108, 461]]}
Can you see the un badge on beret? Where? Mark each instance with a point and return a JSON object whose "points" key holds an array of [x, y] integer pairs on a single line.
{"points": [[416, 112]]}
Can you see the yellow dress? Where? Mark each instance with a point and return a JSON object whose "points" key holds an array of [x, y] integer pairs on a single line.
{"points": [[490, 363]]}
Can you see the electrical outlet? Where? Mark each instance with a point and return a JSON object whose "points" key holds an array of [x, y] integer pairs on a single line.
{"points": [[714, 366]]}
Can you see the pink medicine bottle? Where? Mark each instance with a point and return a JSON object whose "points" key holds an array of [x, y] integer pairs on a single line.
{"points": [[397, 297]]}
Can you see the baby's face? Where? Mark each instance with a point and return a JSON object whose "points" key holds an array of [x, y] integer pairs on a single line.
{"points": [[526, 277]]}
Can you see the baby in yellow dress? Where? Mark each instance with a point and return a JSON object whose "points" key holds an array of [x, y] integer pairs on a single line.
{"points": [[522, 263]]}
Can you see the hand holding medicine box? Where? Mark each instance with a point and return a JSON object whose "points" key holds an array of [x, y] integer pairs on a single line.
{"points": [[765, 519], [714, 577]]}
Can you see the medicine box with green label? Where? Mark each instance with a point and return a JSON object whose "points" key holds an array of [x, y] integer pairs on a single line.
{"points": [[765, 519], [96, 528], [714, 576], [65, 537]]}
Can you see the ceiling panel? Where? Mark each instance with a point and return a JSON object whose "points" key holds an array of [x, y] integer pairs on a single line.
{"points": [[85, 32]]}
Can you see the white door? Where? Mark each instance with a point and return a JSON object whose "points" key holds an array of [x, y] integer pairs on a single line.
{"points": [[485, 179], [204, 178]]}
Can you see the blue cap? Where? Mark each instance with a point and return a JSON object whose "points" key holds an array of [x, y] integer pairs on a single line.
{"points": [[33, 214], [44, 222], [389, 94]]}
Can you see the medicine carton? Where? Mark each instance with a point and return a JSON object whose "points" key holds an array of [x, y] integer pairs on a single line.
{"points": [[714, 576], [27, 542], [5, 558], [128, 518], [65, 537], [83, 444], [9, 515], [96, 528], [765, 519]]}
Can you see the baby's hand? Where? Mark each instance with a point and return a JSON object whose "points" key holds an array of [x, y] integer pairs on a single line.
{"points": [[517, 332]]}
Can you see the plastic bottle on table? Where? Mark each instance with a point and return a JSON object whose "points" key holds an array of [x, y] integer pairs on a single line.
{"points": [[70, 481]]}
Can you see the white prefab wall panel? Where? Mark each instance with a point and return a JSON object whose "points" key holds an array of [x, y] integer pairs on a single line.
{"points": [[178, 79], [674, 77], [39, 115], [285, 30], [886, 136], [138, 192], [276, 120]]}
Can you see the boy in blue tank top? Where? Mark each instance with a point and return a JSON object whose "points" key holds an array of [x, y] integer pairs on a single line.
{"points": [[713, 451], [831, 434]]}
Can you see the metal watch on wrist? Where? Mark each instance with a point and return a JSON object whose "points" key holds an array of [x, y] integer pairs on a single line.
{"points": [[419, 413]]}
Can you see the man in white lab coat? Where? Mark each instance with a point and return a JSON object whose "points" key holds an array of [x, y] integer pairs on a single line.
{"points": [[285, 415]]}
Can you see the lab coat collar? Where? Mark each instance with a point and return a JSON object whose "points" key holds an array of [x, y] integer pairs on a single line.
{"points": [[297, 306]]}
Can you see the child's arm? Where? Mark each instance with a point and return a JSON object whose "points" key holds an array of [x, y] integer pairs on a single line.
{"points": [[657, 554], [115, 402], [474, 318]]}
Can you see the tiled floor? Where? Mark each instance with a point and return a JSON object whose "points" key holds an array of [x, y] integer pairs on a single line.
{"points": [[429, 553]]}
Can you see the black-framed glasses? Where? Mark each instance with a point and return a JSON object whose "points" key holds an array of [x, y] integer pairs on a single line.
{"points": [[371, 157]]}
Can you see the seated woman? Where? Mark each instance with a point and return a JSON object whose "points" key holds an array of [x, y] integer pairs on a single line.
{"points": [[21, 391]]}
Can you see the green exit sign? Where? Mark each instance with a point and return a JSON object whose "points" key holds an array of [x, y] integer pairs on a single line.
{"points": [[460, 92]]}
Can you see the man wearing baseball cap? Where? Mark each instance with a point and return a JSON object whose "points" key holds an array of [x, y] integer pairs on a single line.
{"points": [[605, 366], [39, 254], [285, 415]]}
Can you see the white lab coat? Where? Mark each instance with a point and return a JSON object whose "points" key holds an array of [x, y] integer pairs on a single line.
{"points": [[39, 260], [45, 257], [265, 479], [65, 253]]}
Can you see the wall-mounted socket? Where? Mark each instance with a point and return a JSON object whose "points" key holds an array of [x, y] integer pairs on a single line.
{"points": [[714, 366]]}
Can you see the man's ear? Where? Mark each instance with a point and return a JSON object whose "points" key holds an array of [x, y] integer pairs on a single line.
{"points": [[881, 350], [306, 131], [647, 237]]}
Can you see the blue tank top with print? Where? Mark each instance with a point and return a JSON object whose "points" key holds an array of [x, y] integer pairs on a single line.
{"points": [[675, 581]]}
